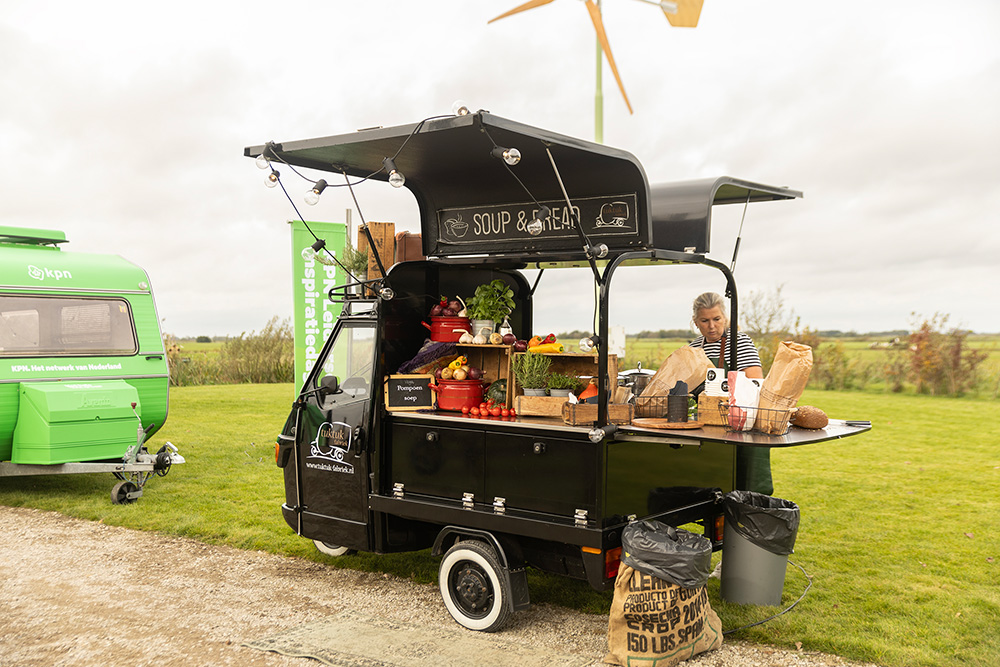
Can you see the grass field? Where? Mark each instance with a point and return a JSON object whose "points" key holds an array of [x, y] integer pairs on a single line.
{"points": [[868, 357], [898, 526]]}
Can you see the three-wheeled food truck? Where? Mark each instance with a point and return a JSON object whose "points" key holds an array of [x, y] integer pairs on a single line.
{"points": [[82, 364], [371, 464]]}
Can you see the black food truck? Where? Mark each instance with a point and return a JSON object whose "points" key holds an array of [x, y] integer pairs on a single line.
{"points": [[494, 496]]}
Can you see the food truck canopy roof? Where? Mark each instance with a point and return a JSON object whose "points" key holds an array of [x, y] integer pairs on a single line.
{"points": [[473, 203]]}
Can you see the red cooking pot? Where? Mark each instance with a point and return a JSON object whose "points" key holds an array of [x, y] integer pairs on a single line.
{"points": [[458, 394], [443, 329]]}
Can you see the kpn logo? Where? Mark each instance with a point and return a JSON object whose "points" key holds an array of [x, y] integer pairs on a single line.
{"points": [[42, 274]]}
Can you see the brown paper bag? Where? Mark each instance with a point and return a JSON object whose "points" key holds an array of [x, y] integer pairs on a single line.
{"points": [[687, 363], [654, 621], [783, 386]]}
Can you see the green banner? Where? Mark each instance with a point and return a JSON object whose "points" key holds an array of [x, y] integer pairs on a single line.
{"points": [[314, 313]]}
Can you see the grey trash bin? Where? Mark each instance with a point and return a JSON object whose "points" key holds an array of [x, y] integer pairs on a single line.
{"points": [[759, 534]]}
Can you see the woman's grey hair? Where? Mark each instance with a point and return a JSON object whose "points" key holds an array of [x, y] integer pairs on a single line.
{"points": [[708, 300]]}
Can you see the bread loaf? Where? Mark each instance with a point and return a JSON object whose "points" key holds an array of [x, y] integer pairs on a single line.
{"points": [[807, 416]]}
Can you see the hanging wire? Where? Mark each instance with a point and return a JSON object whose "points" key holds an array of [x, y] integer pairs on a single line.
{"points": [[783, 611], [312, 233], [511, 171], [277, 158]]}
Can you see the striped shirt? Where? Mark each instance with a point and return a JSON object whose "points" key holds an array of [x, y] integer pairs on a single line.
{"points": [[746, 352]]}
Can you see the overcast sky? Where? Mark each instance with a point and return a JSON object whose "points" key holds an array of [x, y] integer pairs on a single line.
{"points": [[124, 124]]}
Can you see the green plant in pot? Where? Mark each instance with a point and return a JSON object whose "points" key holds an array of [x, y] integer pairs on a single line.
{"points": [[492, 301], [532, 372], [561, 385], [354, 261]]}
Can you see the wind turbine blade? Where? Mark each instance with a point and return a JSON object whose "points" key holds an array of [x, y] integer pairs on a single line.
{"points": [[688, 12], [595, 17], [531, 4]]}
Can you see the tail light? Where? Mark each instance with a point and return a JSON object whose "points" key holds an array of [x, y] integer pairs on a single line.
{"points": [[720, 524], [612, 559]]}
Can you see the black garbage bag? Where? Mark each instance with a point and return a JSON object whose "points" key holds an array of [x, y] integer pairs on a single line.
{"points": [[667, 553], [770, 523]]}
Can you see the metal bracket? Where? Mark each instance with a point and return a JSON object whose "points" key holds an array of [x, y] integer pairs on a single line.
{"points": [[397, 490], [499, 505], [467, 501], [580, 517]]}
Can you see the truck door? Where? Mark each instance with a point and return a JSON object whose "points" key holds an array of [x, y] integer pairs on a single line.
{"points": [[331, 441]]}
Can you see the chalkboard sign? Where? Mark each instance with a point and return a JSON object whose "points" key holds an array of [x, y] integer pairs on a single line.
{"points": [[409, 392]]}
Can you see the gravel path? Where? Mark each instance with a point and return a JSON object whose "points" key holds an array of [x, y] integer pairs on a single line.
{"points": [[83, 594]]}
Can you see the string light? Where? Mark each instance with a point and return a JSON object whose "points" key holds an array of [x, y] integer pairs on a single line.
{"points": [[312, 197], [538, 222], [316, 253], [396, 179], [509, 155]]}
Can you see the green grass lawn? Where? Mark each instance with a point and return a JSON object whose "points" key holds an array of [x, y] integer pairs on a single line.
{"points": [[898, 526]]}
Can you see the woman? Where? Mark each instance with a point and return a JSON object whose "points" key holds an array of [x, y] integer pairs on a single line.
{"points": [[709, 315], [753, 464]]}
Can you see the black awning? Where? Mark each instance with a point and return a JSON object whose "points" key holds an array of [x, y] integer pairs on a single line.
{"points": [[471, 203], [682, 211]]}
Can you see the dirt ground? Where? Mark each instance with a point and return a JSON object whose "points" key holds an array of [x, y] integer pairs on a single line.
{"points": [[83, 594]]}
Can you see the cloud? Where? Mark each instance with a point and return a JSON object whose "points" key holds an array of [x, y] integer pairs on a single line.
{"points": [[129, 123]]}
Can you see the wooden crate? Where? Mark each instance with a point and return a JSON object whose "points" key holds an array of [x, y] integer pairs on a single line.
{"points": [[585, 414], [494, 361], [539, 406], [384, 236]]}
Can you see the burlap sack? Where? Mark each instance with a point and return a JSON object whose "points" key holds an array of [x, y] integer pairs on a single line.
{"points": [[687, 363], [656, 622], [783, 386]]}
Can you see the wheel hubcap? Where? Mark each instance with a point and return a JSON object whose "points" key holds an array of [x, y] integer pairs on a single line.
{"points": [[472, 588]]}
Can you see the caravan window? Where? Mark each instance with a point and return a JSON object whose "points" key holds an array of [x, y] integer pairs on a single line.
{"points": [[33, 326]]}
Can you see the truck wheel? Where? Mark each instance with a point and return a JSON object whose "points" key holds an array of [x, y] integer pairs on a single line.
{"points": [[473, 586], [332, 549], [120, 493]]}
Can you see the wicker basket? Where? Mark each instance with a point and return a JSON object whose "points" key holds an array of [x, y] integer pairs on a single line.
{"points": [[766, 420]]}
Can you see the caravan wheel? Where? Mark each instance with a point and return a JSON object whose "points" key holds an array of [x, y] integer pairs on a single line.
{"points": [[332, 549], [125, 493], [474, 588]]}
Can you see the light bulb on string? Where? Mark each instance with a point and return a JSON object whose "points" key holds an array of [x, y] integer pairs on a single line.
{"points": [[460, 108], [598, 251], [509, 155], [312, 197], [538, 222], [396, 179], [262, 162], [588, 343], [317, 253], [272, 179]]}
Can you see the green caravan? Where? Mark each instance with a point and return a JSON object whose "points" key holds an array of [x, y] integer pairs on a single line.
{"points": [[83, 370]]}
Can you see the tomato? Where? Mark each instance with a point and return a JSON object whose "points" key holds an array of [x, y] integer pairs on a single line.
{"points": [[465, 409], [474, 412], [494, 411], [482, 406], [504, 412], [512, 413]]}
